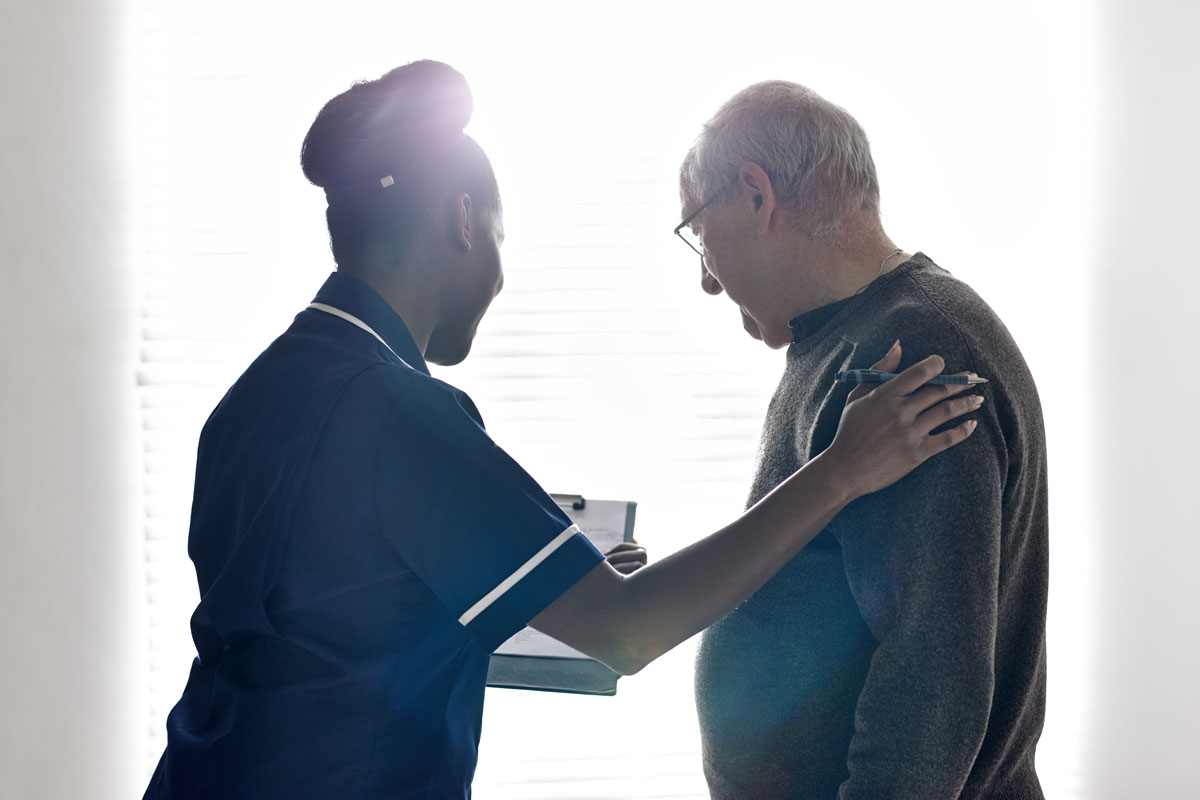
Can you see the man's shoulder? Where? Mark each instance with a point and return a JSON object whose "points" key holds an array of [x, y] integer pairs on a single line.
{"points": [[932, 311]]}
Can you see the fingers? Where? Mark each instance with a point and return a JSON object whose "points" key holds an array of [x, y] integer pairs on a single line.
{"points": [[888, 363], [947, 410], [928, 396], [627, 557], [915, 376], [626, 563], [888, 433], [891, 359], [947, 439]]}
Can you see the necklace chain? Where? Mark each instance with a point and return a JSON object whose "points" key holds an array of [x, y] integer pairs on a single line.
{"points": [[886, 258]]}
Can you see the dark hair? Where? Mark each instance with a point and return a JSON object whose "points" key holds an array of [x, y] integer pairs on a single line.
{"points": [[386, 151]]}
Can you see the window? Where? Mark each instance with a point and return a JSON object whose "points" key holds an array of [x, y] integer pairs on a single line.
{"points": [[601, 367]]}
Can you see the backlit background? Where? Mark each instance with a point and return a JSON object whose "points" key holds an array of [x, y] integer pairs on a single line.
{"points": [[157, 233]]}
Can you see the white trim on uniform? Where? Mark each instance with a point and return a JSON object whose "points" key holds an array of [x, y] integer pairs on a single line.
{"points": [[358, 323], [521, 572]]}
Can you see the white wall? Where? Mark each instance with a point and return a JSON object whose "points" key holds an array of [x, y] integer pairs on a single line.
{"points": [[1144, 681], [70, 574], [71, 699]]}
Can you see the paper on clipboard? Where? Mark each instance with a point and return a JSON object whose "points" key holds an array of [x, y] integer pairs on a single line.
{"points": [[531, 659]]}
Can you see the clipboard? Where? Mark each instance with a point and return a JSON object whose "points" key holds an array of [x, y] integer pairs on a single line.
{"points": [[533, 660]]}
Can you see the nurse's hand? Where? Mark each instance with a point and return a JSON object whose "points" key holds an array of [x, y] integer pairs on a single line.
{"points": [[886, 429], [627, 557]]}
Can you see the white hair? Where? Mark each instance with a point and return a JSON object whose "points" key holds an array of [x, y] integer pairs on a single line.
{"points": [[816, 155]]}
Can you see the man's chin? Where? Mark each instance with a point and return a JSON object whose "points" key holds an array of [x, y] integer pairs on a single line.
{"points": [[751, 327], [754, 331]]}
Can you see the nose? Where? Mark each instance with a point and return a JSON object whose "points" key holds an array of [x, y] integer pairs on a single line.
{"points": [[708, 281]]}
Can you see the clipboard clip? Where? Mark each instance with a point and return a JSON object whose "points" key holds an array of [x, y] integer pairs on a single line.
{"points": [[575, 501]]}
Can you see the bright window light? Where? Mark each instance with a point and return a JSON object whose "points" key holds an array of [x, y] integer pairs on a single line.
{"points": [[602, 367]]}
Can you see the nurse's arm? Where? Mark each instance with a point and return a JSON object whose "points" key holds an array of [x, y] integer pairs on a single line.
{"points": [[627, 621]]}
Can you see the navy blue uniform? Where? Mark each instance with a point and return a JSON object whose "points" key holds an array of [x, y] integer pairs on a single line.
{"points": [[361, 547]]}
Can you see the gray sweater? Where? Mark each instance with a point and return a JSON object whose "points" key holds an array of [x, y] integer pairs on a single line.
{"points": [[901, 654]]}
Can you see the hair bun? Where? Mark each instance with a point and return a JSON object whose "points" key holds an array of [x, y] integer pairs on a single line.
{"points": [[426, 94], [379, 125]]}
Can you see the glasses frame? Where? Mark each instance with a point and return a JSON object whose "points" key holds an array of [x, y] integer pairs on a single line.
{"points": [[687, 220]]}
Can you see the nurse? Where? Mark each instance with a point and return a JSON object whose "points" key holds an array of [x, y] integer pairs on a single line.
{"points": [[362, 545]]}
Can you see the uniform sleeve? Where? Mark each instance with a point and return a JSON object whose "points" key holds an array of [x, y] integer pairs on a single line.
{"points": [[478, 530], [922, 559]]}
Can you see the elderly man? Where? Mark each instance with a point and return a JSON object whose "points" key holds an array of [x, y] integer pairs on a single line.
{"points": [[902, 653]]}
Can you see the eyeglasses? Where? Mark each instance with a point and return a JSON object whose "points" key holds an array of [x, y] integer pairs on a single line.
{"points": [[688, 235]]}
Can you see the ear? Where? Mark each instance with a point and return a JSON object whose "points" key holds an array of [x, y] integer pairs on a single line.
{"points": [[461, 227], [754, 183]]}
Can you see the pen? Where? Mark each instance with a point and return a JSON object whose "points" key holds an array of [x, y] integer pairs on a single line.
{"points": [[858, 377]]}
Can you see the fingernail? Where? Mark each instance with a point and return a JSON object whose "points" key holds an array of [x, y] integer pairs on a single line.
{"points": [[971, 424], [894, 346], [977, 399]]}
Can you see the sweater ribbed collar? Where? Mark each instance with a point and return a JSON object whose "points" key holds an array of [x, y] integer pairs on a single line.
{"points": [[812, 326]]}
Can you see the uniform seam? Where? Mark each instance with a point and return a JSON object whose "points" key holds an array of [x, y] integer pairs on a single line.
{"points": [[304, 473]]}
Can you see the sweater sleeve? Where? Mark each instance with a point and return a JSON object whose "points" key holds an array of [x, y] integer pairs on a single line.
{"points": [[922, 559]]}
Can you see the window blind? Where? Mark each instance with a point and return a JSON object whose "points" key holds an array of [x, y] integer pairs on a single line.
{"points": [[601, 367]]}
